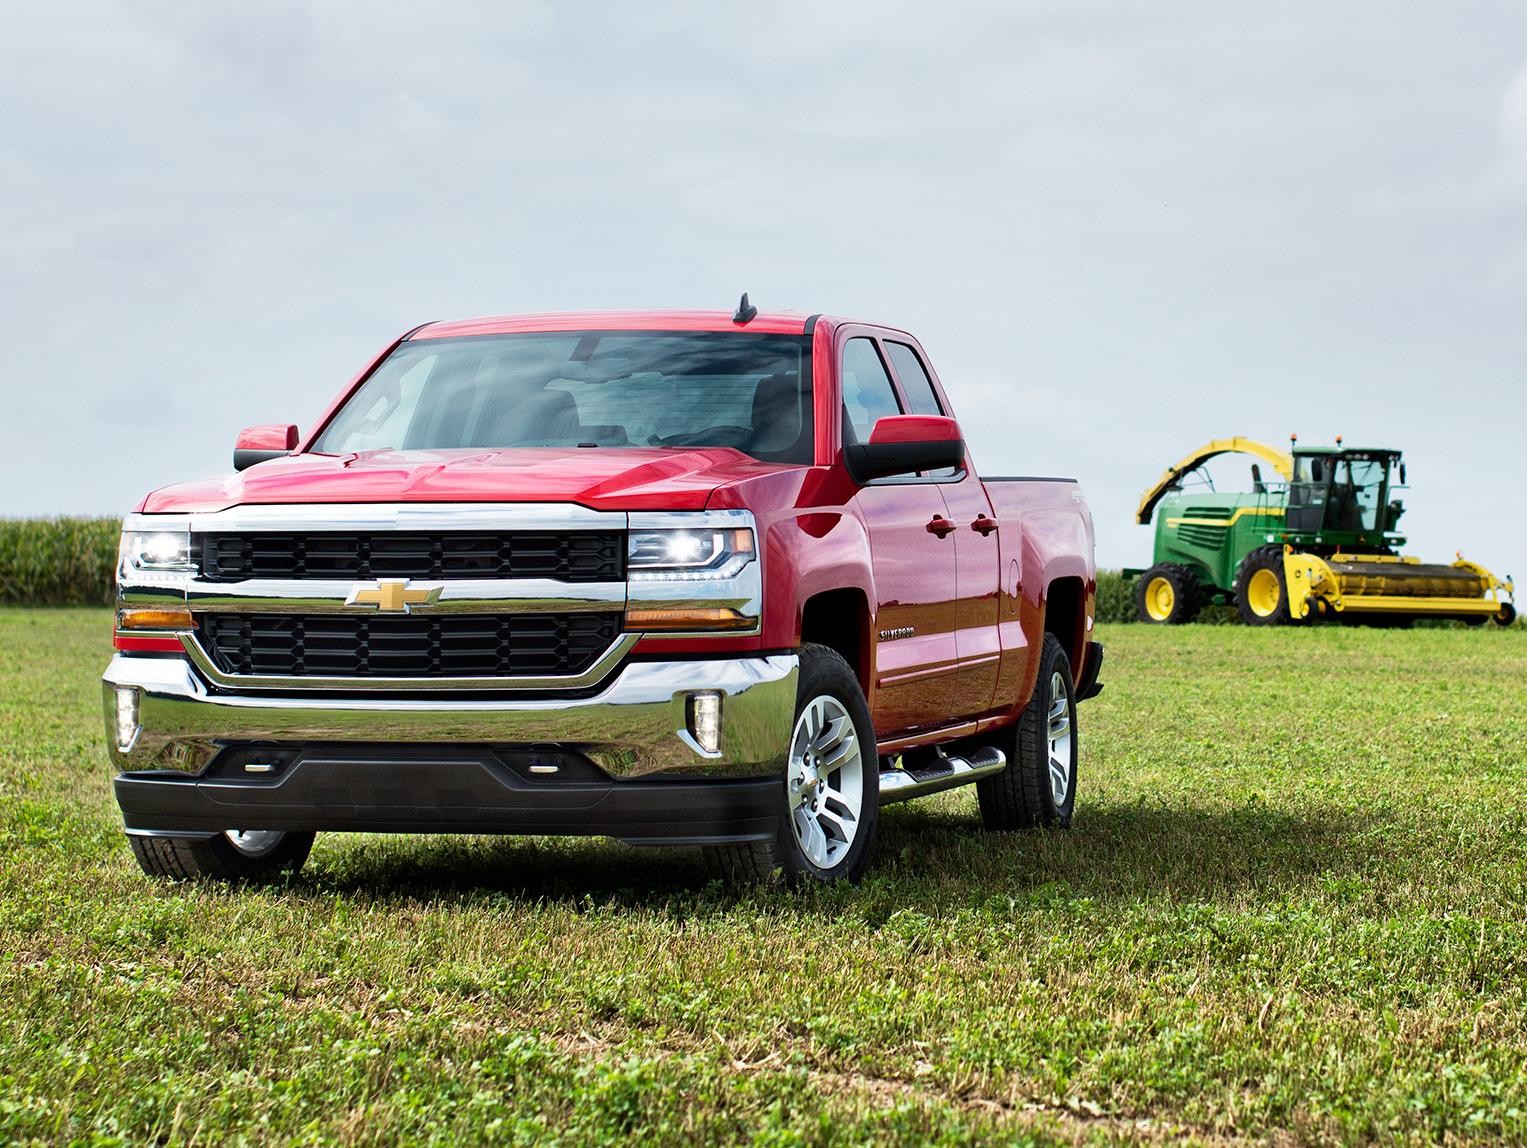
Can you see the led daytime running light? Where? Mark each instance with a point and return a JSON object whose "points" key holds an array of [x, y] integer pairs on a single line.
{"points": [[686, 618], [155, 618], [684, 553]]}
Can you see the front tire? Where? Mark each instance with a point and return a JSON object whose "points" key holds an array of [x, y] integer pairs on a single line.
{"points": [[1038, 787], [237, 855], [1261, 598], [830, 800]]}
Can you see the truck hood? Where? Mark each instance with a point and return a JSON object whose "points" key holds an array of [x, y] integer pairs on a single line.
{"points": [[602, 478]]}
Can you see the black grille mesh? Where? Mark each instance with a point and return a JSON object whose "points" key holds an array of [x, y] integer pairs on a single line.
{"points": [[407, 646], [570, 556]]}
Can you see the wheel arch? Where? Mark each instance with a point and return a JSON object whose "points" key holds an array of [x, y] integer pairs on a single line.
{"points": [[840, 620], [1065, 616]]}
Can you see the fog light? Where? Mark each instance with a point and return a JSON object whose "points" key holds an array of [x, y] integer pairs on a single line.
{"points": [[127, 717], [705, 720]]}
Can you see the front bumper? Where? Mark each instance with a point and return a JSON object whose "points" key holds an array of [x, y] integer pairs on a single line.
{"points": [[621, 762], [634, 726], [444, 789]]}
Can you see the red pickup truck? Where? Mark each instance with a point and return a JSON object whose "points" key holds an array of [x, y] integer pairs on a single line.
{"points": [[716, 579]]}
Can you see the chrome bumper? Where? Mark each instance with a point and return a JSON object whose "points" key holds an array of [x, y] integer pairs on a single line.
{"points": [[635, 726]]}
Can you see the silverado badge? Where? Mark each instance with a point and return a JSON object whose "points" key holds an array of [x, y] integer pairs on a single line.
{"points": [[393, 596]]}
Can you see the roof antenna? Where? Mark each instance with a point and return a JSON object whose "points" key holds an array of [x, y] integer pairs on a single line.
{"points": [[746, 312]]}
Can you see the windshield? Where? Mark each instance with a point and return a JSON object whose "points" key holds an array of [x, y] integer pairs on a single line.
{"points": [[1336, 492], [1355, 489], [586, 388]]}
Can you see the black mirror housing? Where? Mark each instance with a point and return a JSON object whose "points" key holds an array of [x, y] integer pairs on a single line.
{"points": [[868, 461]]}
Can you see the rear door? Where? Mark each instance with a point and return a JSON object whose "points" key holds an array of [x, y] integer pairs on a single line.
{"points": [[977, 553], [912, 546]]}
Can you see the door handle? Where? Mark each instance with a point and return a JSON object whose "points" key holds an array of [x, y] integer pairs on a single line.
{"points": [[941, 526], [984, 525]]}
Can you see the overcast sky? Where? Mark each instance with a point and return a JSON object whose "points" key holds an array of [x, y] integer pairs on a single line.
{"points": [[1120, 229]]}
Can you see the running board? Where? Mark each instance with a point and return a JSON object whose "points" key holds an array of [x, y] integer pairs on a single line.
{"points": [[902, 784]]}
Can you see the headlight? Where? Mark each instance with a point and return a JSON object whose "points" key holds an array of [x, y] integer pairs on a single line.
{"points": [[155, 557], [693, 572], [699, 554]]}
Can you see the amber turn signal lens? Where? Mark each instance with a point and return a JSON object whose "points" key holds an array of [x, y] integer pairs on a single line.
{"points": [[687, 618], [156, 618]]}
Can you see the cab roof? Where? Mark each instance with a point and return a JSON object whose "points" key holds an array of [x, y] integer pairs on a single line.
{"points": [[1330, 450], [764, 323]]}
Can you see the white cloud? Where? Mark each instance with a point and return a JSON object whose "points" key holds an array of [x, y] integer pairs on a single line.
{"points": [[1513, 121]]}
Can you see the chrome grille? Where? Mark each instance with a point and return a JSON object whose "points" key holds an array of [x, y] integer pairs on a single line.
{"points": [[568, 556], [409, 646]]}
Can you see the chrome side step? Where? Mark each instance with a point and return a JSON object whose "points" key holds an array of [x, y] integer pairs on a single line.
{"points": [[901, 784]]}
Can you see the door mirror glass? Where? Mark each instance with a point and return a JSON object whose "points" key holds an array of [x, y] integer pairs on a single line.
{"points": [[258, 444]]}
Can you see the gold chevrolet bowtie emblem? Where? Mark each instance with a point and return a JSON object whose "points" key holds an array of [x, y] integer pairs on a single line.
{"points": [[393, 595]]}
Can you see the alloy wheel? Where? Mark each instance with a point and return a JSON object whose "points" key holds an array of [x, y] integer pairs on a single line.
{"points": [[254, 842], [1058, 735], [825, 782]]}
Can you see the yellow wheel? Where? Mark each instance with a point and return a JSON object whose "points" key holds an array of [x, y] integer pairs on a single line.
{"points": [[1264, 593], [1259, 594], [1159, 599], [1168, 594]]}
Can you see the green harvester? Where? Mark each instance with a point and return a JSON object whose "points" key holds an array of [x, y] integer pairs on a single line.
{"points": [[1316, 538]]}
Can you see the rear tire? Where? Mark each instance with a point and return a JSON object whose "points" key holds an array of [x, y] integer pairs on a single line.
{"points": [[1261, 598], [830, 795], [237, 855], [1168, 594], [1038, 787]]}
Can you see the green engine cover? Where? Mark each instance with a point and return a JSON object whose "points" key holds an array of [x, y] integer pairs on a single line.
{"points": [[1212, 533]]}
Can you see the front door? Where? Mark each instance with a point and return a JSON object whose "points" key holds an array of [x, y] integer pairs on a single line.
{"points": [[915, 663], [977, 557]]}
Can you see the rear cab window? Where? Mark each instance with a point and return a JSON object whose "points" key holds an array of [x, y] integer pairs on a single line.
{"points": [[922, 399], [915, 383]]}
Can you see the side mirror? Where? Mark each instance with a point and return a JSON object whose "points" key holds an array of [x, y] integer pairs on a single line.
{"points": [[257, 444], [905, 444], [1402, 475]]}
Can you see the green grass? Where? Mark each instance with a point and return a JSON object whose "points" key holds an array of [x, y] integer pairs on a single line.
{"points": [[1294, 907]]}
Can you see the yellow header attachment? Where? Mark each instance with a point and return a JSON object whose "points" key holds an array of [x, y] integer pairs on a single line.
{"points": [[1390, 584], [1281, 461]]}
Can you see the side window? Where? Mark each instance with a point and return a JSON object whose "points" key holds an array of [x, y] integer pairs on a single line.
{"points": [[918, 388], [867, 392], [914, 379]]}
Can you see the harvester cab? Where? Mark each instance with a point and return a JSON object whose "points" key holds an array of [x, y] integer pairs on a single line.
{"points": [[1342, 498], [1320, 541]]}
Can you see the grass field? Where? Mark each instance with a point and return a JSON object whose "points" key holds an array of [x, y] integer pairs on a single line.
{"points": [[1294, 907]]}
